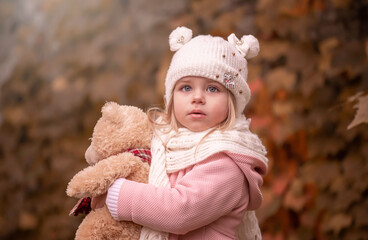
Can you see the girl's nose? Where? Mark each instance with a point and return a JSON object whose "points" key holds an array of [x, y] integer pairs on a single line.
{"points": [[198, 97]]}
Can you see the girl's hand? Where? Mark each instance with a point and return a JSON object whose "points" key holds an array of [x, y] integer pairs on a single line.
{"points": [[99, 201]]}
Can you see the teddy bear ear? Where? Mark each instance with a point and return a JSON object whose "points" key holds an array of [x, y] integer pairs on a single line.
{"points": [[110, 108]]}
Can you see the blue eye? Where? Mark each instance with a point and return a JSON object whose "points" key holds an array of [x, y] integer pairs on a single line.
{"points": [[186, 88], [212, 89]]}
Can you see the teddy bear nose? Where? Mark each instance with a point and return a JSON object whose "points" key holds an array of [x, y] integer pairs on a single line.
{"points": [[91, 156]]}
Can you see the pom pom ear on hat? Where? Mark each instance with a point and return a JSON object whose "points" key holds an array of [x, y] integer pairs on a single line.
{"points": [[247, 46], [179, 37]]}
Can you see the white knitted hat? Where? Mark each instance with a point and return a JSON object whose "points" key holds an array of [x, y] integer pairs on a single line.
{"points": [[213, 58]]}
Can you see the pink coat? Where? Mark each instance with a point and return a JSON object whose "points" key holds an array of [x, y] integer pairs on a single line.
{"points": [[205, 201]]}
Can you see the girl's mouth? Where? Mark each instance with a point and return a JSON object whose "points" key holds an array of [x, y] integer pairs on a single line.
{"points": [[197, 114]]}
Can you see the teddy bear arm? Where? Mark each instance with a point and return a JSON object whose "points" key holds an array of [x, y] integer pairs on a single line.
{"points": [[95, 180]]}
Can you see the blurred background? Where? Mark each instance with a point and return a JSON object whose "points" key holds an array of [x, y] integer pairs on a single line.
{"points": [[61, 60]]}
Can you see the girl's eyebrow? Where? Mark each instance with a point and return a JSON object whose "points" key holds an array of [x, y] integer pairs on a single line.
{"points": [[214, 82], [180, 83], [188, 81], [184, 81]]}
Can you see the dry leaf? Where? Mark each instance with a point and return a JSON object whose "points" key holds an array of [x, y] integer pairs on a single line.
{"points": [[280, 78], [282, 108], [27, 221], [311, 82], [304, 7], [338, 222], [345, 199], [280, 184], [325, 145], [322, 173], [361, 115], [360, 213], [339, 184], [361, 184], [341, 3], [294, 198], [326, 47], [273, 50], [271, 204], [352, 166]]}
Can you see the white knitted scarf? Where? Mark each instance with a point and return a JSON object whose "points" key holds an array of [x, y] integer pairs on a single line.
{"points": [[177, 150]]}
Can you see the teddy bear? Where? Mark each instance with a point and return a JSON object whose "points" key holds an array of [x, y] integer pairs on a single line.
{"points": [[119, 149]]}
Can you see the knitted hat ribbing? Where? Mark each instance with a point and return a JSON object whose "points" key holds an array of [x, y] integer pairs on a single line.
{"points": [[214, 58]]}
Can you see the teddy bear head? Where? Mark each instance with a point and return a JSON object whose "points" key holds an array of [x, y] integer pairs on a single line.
{"points": [[120, 128]]}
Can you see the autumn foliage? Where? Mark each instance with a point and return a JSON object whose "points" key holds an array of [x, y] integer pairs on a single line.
{"points": [[62, 60]]}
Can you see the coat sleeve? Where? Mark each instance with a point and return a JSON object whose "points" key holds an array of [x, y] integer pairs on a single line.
{"points": [[208, 191]]}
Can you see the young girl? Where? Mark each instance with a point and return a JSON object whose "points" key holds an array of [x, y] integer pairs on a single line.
{"points": [[207, 166]]}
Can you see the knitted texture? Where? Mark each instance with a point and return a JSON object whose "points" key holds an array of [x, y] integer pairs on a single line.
{"points": [[175, 151], [213, 58], [113, 197]]}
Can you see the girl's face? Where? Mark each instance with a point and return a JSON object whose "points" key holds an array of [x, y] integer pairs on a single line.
{"points": [[199, 103]]}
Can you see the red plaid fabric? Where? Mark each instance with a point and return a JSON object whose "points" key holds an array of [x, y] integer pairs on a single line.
{"points": [[143, 153], [83, 206]]}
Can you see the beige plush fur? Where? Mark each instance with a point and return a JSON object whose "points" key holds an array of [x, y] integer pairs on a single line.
{"points": [[119, 129]]}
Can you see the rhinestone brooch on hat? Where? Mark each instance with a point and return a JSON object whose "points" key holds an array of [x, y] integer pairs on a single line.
{"points": [[229, 80]]}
